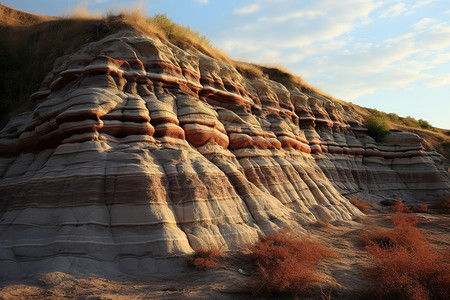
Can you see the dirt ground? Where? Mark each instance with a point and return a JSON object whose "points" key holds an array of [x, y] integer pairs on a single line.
{"points": [[344, 280]]}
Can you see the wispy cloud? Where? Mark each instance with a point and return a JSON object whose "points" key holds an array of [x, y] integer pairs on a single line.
{"points": [[394, 10], [422, 24], [440, 58], [302, 14], [400, 38], [248, 9], [438, 38], [202, 2], [422, 3], [439, 81]]}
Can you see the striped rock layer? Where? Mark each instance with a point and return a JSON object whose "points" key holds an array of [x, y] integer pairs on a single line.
{"points": [[137, 150]]}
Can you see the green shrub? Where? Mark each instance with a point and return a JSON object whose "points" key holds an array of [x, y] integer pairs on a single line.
{"points": [[374, 113], [377, 128], [410, 121], [394, 118], [425, 125]]}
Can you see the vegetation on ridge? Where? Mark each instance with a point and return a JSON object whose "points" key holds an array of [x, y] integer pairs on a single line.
{"points": [[405, 121]]}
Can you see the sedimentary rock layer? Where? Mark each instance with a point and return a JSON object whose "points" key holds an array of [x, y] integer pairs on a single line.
{"points": [[137, 150]]}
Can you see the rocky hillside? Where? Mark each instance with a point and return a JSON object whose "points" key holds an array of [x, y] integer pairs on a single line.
{"points": [[134, 150]]}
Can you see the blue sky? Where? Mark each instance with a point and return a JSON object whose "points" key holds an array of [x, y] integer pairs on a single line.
{"points": [[392, 55]]}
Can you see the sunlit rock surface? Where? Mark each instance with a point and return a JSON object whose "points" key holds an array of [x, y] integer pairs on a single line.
{"points": [[136, 151]]}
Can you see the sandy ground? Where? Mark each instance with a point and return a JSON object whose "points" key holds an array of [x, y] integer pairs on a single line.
{"points": [[343, 274]]}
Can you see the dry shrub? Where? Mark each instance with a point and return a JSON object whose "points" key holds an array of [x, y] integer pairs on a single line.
{"points": [[206, 258], [422, 208], [404, 220], [400, 207], [286, 263], [376, 235], [404, 266], [363, 206], [405, 234], [81, 12], [248, 70]]}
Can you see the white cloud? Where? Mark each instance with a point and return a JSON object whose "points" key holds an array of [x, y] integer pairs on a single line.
{"points": [[400, 38], [269, 55], [422, 24], [440, 58], [304, 52], [437, 39], [248, 9], [202, 2], [350, 84], [373, 59], [439, 81], [422, 3], [302, 14], [394, 10]]}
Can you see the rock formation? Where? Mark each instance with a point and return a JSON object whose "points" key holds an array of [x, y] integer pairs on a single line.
{"points": [[136, 151]]}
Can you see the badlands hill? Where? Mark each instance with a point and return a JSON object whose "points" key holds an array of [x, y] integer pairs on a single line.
{"points": [[138, 143]]}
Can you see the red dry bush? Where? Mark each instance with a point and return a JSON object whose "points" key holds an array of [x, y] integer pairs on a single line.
{"points": [[363, 206], [422, 208], [404, 220], [205, 258], [286, 264], [377, 235], [407, 267], [400, 207]]}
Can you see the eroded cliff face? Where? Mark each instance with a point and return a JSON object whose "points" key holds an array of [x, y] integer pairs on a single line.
{"points": [[137, 150]]}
